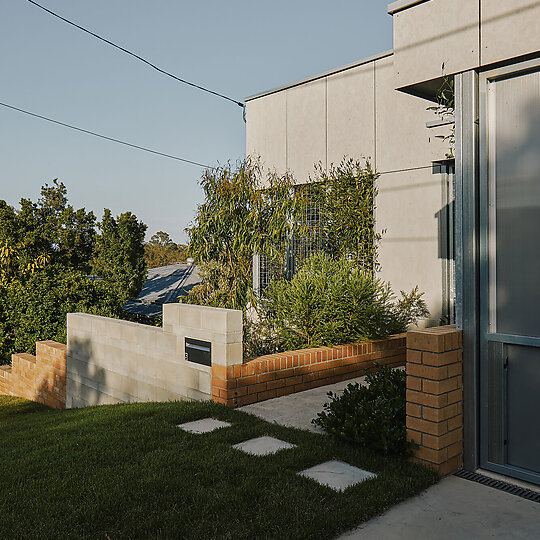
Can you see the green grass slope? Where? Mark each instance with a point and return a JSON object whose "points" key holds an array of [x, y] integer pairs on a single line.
{"points": [[127, 471]]}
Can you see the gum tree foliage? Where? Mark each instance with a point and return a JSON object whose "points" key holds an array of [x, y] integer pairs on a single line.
{"points": [[47, 250], [160, 250], [346, 195], [445, 110], [243, 213]]}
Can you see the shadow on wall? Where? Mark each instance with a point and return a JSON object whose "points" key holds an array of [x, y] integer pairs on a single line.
{"points": [[516, 266], [445, 220], [83, 385]]}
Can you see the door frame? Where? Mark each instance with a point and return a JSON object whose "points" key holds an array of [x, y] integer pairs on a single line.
{"points": [[486, 244], [471, 253]]}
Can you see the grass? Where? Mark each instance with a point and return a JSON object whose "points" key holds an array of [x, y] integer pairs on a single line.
{"points": [[127, 471]]}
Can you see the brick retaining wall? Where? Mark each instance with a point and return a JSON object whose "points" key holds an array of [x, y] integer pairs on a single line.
{"points": [[40, 378], [276, 375]]}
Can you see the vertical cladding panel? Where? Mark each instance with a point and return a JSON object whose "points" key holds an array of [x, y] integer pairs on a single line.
{"points": [[409, 202], [509, 29], [351, 129], [266, 130], [306, 128], [434, 34], [408, 208]]}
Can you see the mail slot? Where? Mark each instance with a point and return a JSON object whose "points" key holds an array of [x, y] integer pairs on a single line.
{"points": [[199, 351]]}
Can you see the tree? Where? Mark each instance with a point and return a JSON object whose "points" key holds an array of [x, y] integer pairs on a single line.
{"points": [[346, 196], [160, 250], [47, 249], [50, 229], [241, 215], [35, 308], [119, 253]]}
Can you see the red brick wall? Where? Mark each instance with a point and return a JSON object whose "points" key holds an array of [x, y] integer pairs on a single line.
{"points": [[40, 378], [435, 397], [276, 375]]}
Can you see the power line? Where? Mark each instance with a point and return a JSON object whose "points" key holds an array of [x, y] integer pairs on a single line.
{"points": [[155, 151], [153, 66], [405, 170], [106, 137]]}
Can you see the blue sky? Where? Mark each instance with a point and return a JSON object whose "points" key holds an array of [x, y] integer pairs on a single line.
{"points": [[237, 47]]}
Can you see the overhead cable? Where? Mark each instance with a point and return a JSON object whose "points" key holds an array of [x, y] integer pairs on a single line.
{"points": [[106, 137], [153, 66], [406, 170]]}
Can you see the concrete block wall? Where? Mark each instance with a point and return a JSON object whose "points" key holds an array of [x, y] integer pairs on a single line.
{"points": [[284, 373], [223, 327], [435, 397], [113, 361], [40, 378]]}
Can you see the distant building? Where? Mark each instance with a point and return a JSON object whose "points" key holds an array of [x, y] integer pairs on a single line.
{"points": [[165, 284]]}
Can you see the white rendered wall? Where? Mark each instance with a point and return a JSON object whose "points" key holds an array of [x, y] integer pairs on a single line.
{"points": [[444, 37], [357, 112]]}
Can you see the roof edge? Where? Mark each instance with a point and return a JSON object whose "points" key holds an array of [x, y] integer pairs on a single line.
{"points": [[400, 5], [353, 65]]}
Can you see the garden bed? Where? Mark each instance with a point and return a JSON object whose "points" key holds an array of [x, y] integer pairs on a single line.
{"points": [[276, 375]]}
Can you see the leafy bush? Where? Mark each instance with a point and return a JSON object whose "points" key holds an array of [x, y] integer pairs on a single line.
{"points": [[258, 338], [372, 416], [332, 301], [35, 308], [47, 250]]}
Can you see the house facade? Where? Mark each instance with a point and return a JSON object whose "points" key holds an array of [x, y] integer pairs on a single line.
{"points": [[464, 229]]}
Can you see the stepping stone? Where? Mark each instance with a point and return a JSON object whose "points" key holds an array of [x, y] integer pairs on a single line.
{"points": [[337, 475], [206, 425], [262, 446]]}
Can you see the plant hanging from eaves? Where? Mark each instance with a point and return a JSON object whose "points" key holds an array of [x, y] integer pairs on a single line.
{"points": [[445, 109]]}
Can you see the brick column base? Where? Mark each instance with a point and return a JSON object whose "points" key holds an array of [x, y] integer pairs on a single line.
{"points": [[435, 397]]}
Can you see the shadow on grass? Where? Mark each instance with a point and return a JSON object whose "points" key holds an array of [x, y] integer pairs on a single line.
{"points": [[13, 406]]}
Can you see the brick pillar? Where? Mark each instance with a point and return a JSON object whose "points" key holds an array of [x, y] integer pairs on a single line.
{"points": [[435, 397]]}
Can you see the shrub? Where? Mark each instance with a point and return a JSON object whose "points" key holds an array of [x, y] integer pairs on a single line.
{"points": [[35, 308], [332, 301], [372, 416]]}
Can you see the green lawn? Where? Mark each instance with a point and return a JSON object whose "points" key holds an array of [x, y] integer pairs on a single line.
{"points": [[127, 471]]}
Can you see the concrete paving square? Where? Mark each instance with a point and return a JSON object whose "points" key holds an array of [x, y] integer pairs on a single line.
{"points": [[203, 426], [262, 446], [337, 475]]}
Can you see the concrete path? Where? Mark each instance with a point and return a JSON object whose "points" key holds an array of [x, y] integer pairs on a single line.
{"points": [[297, 410], [454, 509]]}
